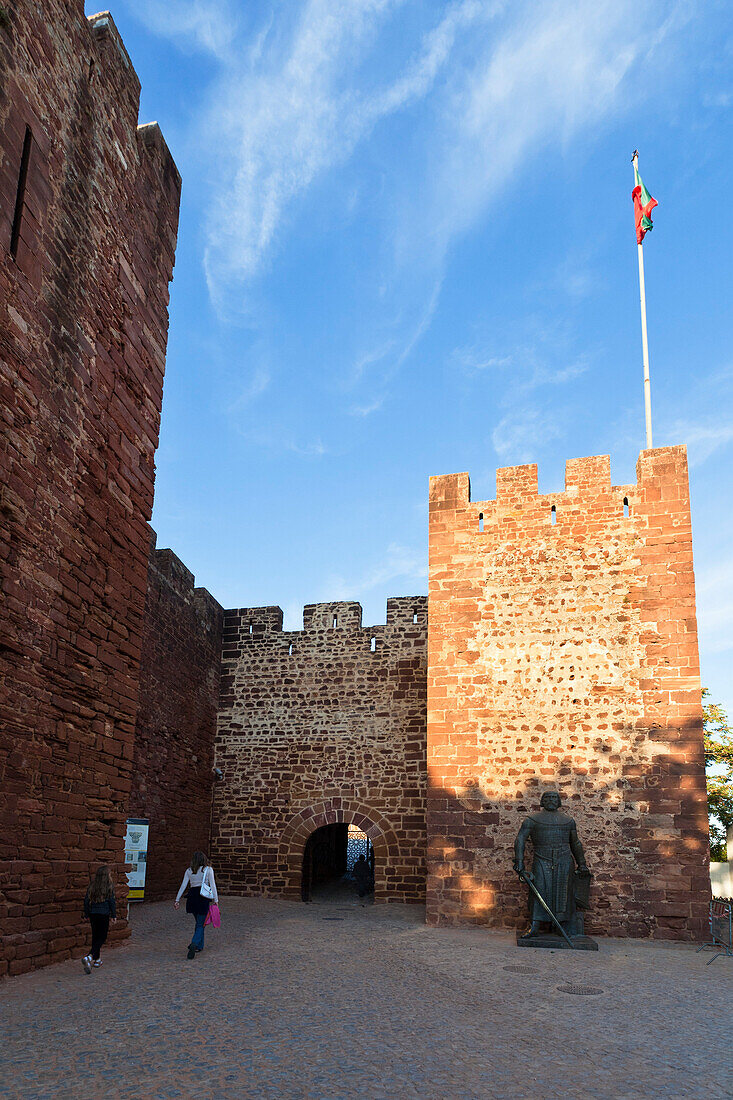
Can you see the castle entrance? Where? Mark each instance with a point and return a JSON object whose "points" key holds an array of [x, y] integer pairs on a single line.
{"points": [[338, 864]]}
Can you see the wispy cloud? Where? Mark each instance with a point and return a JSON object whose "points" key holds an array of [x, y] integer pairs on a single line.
{"points": [[545, 361], [546, 76], [520, 77], [364, 362], [714, 590], [314, 449], [298, 111], [300, 90], [273, 438], [297, 94], [208, 26], [527, 380], [707, 426], [257, 384], [703, 438], [398, 562], [388, 359], [574, 276], [518, 435], [367, 410], [473, 360], [718, 99], [423, 324]]}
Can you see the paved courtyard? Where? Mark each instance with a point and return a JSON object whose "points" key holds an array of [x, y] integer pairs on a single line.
{"points": [[332, 1001]]}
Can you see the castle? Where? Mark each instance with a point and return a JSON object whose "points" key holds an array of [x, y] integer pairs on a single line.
{"points": [[557, 644]]}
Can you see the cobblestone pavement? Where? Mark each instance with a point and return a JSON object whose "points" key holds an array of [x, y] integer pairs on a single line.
{"points": [[335, 1001]]}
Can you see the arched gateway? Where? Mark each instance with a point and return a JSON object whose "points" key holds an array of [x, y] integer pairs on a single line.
{"points": [[335, 811]]}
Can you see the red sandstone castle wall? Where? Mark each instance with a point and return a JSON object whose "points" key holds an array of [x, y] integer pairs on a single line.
{"points": [[83, 325], [176, 721], [566, 656], [316, 728]]}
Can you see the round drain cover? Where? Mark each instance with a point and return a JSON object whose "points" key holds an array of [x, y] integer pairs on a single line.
{"points": [[581, 990], [521, 969]]}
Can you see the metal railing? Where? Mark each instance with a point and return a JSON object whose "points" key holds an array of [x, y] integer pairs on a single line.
{"points": [[721, 928]]}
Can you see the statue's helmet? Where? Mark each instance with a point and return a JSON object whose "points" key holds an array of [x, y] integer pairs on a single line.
{"points": [[553, 796]]}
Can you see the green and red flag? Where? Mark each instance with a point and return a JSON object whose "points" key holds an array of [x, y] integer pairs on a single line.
{"points": [[643, 206]]}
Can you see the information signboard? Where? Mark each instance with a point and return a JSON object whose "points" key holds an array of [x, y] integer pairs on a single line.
{"points": [[136, 854]]}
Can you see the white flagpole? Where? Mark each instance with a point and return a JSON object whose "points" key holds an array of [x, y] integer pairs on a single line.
{"points": [[644, 341]]}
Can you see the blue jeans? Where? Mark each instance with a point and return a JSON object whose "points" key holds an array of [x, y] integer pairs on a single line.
{"points": [[198, 936]]}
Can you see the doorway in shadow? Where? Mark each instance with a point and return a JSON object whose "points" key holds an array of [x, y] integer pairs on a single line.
{"points": [[330, 856]]}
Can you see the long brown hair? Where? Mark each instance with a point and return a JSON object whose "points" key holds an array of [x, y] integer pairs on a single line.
{"points": [[198, 861], [101, 887]]}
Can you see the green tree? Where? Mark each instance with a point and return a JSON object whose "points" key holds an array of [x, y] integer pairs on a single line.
{"points": [[719, 774]]}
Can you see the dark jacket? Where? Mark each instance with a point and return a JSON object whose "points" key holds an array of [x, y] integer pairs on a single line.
{"points": [[106, 908], [362, 873]]}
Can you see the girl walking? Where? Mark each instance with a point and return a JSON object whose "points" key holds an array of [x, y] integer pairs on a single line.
{"points": [[199, 878], [100, 906]]}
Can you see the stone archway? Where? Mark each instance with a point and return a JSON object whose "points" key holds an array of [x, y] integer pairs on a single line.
{"points": [[330, 812]]}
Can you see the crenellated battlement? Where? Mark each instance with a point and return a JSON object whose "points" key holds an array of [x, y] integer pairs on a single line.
{"points": [[407, 611], [150, 138], [584, 477], [169, 566], [115, 70], [253, 620], [337, 615], [588, 494], [334, 615], [588, 475], [169, 569], [104, 29]]}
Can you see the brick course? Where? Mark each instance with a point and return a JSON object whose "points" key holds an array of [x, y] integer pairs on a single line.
{"points": [[565, 655], [176, 720], [83, 326], [316, 728]]}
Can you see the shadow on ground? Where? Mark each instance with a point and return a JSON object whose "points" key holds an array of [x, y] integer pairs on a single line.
{"points": [[333, 1001]]}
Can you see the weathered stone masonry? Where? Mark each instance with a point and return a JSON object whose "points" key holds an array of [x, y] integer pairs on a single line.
{"points": [[88, 220], [176, 719], [563, 652], [562, 642], [320, 726]]}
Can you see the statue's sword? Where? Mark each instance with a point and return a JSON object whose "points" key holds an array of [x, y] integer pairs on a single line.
{"points": [[525, 878]]}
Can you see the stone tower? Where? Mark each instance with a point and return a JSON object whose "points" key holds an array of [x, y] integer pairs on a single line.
{"points": [[563, 653], [88, 221]]}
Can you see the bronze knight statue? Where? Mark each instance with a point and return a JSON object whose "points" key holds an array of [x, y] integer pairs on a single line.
{"points": [[558, 893]]}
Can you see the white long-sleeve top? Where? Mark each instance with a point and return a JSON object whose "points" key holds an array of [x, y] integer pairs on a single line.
{"points": [[191, 879]]}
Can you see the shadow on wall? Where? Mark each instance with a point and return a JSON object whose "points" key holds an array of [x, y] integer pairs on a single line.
{"points": [[645, 835]]}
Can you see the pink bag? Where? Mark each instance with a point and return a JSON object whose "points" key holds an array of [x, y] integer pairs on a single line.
{"points": [[213, 916]]}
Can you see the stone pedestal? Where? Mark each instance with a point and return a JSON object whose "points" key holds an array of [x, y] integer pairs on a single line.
{"points": [[556, 943]]}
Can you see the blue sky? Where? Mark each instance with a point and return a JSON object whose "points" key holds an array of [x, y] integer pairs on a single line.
{"points": [[406, 247]]}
